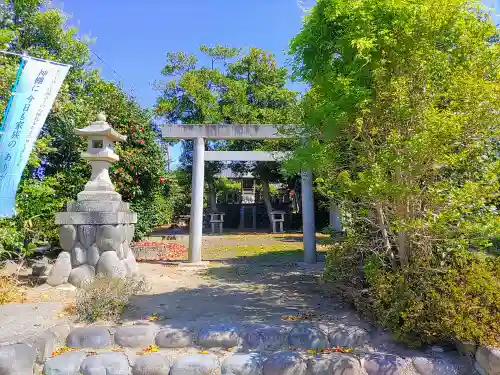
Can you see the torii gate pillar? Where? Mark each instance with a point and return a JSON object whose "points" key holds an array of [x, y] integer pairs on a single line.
{"points": [[308, 222], [196, 221], [235, 131]]}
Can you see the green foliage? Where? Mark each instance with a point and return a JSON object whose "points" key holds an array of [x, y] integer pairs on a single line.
{"points": [[403, 126], [106, 298], [224, 185], [138, 176], [459, 301], [247, 88]]}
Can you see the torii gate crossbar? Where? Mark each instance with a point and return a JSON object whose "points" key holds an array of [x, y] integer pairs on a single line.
{"points": [[245, 132]]}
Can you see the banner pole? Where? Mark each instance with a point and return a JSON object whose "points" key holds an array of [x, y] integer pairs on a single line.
{"points": [[33, 58], [11, 99]]}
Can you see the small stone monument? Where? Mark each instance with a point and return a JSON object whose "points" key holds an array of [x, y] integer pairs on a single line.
{"points": [[96, 229], [278, 218], [217, 221]]}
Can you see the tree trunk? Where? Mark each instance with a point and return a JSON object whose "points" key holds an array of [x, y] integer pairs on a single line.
{"points": [[401, 210], [212, 199], [267, 201], [385, 236]]}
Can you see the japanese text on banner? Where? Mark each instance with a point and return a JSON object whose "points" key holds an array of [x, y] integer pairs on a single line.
{"points": [[37, 89]]}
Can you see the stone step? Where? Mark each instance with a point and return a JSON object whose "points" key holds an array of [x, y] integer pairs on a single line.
{"points": [[230, 349], [189, 361]]}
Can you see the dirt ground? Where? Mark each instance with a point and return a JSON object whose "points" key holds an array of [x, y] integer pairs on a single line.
{"points": [[251, 278]]}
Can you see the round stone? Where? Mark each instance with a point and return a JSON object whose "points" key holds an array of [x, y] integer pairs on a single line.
{"points": [[106, 363], [130, 232], [59, 274], [219, 336], [93, 255], [108, 238], [110, 266], [243, 364], [126, 248], [153, 364], [140, 336], [45, 344], [335, 364], [89, 337], [120, 252], [78, 255], [41, 267], [285, 363], [174, 338], [489, 358], [305, 337], [435, 366], [380, 363], [348, 336], [17, 359], [81, 276], [123, 232], [64, 364], [67, 236], [197, 364], [87, 235], [265, 338], [130, 264]]}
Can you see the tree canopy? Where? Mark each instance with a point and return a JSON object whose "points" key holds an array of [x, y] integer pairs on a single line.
{"points": [[56, 172], [403, 117], [236, 88]]}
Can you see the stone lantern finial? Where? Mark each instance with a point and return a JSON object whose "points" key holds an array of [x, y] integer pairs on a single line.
{"points": [[101, 117]]}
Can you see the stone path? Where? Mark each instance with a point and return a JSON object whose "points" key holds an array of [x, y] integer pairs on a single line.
{"points": [[159, 348], [238, 303]]}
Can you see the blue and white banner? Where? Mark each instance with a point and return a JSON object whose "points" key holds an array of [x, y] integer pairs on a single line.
{"points": [[34, 95]]}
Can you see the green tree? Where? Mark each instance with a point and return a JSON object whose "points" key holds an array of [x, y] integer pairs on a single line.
{"points": [[56, 172], [236, 88], [403, 120]]}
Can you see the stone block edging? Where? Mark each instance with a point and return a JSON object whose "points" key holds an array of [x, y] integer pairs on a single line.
{"points": [[254, 350]]}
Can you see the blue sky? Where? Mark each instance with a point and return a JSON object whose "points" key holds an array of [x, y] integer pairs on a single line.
{"points": [[133, 37]]}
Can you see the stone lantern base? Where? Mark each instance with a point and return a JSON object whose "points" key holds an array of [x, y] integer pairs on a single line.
{"points": [[95, 233]]}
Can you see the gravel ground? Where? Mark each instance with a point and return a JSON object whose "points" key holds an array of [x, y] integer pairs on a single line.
{"points": [[24, 321], [258, 288]]}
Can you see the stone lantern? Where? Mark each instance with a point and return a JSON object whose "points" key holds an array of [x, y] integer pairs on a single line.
{"points": [[95, 230]]}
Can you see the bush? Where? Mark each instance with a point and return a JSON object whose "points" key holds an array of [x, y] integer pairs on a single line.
{"points": [[429, 302], [402, 125], [106, 298], [460, 301]]}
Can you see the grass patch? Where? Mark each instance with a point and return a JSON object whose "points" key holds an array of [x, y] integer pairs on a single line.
{"points": [[10, 290], [106, 298]]}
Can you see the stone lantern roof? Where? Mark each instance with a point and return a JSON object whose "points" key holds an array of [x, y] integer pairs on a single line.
{"points": [[101, 128]]}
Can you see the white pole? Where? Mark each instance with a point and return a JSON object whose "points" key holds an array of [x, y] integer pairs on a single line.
{"points": [[195, 231], [308, 224]]}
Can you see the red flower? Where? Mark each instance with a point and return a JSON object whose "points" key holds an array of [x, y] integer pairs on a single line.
{"points": [[141, 141], [161, 179], [142, 129], [132, 121], [133, 133]]}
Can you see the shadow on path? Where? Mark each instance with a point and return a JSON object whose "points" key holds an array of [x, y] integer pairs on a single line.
{"points": [[254, 289]]}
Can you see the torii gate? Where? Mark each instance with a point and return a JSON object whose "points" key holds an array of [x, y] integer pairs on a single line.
{"points": [[235, 131]]}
